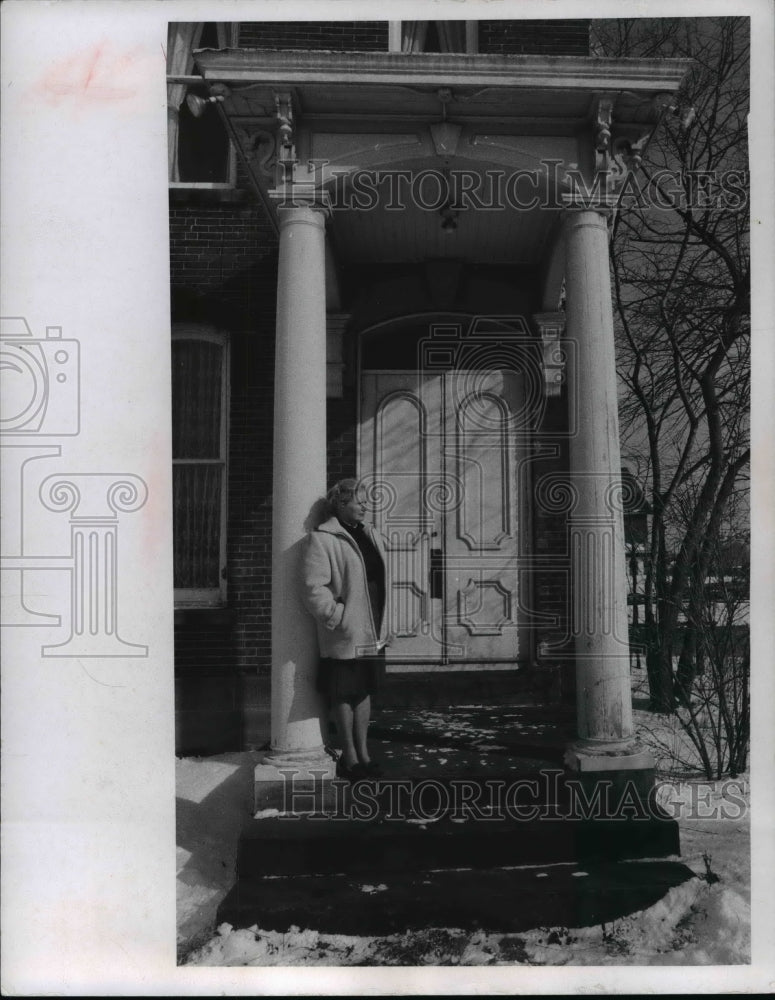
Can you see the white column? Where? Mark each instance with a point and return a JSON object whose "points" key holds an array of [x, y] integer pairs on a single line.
{"points": [[299, 476], [599, 608]]}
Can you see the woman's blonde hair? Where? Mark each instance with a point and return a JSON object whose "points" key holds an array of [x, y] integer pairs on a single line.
{"points": [[344, 489]]}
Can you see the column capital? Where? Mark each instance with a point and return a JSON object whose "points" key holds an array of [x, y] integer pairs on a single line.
{"points": [[575, 207], [304, 197]]}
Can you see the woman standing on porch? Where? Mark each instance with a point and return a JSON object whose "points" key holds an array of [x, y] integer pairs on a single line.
{"points": [[344, 586]]}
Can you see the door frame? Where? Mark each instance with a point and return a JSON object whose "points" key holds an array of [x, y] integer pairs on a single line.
{"points": [[526, 540]]}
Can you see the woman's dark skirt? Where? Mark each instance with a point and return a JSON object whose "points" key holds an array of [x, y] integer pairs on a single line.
{"points": [[351, 680]]}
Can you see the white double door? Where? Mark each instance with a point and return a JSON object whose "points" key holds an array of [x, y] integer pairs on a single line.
{"points": [[439, 454]]}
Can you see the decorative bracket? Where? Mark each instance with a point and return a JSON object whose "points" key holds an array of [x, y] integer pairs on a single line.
{"points": [[621, 153], [286, 149], [604, 109], [260, 148], [629, 152], [551, 326]]}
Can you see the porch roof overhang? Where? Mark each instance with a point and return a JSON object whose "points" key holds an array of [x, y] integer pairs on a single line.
{"points": [[544, 75], [367, 110], [520, 93]]}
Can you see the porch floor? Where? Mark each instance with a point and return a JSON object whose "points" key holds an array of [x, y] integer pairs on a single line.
{"points": [[471, 740], [216, 714]]}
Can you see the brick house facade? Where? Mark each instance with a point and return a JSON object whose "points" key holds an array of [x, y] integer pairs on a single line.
{"points": [[224, 278]]}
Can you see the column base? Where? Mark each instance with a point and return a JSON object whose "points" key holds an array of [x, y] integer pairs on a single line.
{"points": [[594, 755], [618, 769], [294, 783], [612, 793]]}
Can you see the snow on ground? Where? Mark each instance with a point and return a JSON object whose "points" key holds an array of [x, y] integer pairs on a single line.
{"points": [[214, 794], [705, 921], [694, 924]]}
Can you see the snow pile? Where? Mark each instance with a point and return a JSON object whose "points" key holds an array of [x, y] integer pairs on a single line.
{"points": [[693, 924], [722, 928], [296, 947]]}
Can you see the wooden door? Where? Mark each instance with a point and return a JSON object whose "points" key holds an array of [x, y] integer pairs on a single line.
{"points": [[481, 525], [438, 456]]}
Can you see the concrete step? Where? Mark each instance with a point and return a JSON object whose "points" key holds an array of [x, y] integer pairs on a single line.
{"points": [[325, 844], [505, 900]]}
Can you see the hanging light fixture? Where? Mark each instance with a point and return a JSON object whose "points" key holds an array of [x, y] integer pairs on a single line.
{"points": [[445, 136], [449, 219], [198, 105], [449, 212]]}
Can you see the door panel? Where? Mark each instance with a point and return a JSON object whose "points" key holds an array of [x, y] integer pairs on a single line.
{"points": [[399, 459], [438, 457], [481, 540]]}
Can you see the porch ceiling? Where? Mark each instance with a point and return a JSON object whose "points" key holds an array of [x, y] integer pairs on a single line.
{"points": [[382, 235]]}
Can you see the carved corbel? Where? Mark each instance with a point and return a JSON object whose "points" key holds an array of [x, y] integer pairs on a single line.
{"points": [[618, 149], [602, 123], [260, 149], [289, 190], [286, 148], [628, 152], [551, 327]]}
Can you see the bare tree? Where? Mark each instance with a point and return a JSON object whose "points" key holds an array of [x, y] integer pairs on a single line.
{"points": [[680, 265], [713, 705]]}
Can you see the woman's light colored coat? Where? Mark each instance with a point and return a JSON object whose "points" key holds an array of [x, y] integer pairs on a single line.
{"points": [[336, 592]]}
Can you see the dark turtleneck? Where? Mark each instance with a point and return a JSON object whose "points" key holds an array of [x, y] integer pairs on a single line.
{"points": [[375, 572]]}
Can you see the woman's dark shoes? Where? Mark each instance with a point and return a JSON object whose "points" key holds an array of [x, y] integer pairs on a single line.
{"points": [[358, 771], [354, 772]]}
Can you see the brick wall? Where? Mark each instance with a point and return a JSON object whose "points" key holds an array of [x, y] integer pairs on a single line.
{"points": [[340, 456], [217, 247], [334, 36], [539, 37], [223, 261], [556, 38]]}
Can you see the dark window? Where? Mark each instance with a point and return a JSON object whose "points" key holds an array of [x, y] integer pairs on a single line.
{"points": [[199, 448], [203, 146]]}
